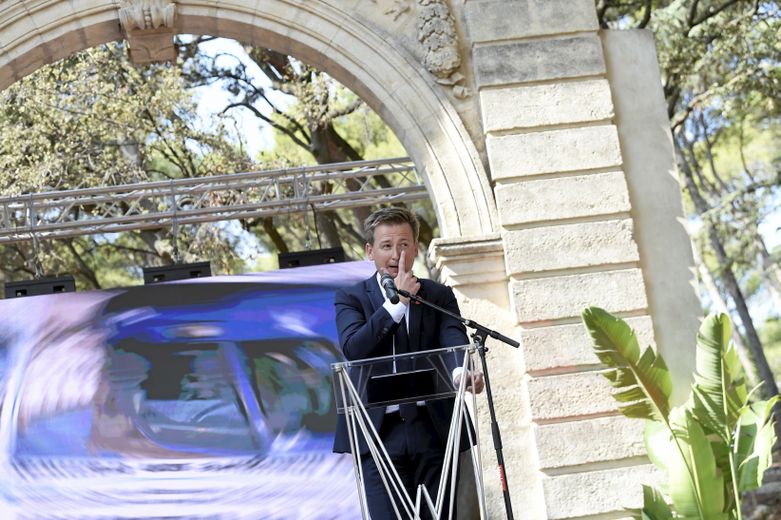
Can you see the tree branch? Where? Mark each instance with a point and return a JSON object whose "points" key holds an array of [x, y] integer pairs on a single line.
{"points": [[130, 249], [84, 269], [709, 153], [646, 15], [741, 150], [174, 155], [291, 134], [710, 12], [601, 11], [692, 13], [349, 109], [298, 126], [700, 98]]}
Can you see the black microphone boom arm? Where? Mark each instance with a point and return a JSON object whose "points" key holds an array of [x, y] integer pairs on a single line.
{"points": [[482, 330]]}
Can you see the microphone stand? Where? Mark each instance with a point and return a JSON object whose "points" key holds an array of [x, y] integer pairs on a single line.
{"points": [[479, 337]]}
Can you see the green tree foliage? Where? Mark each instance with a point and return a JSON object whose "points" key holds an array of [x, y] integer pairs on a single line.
{"points": [[721, 70], [94, 119]]}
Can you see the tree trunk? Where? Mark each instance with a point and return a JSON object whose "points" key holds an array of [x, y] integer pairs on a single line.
{"points": [[327, 233], [86, 271], [274, 235], [329, 147], [770, 271], [769, 387], [731, 284]]}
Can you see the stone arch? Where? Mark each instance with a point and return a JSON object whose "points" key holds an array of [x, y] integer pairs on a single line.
{"points": [[389, 79]]}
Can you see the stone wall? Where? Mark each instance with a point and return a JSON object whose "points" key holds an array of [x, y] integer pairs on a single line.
{"points": [[579, 211]]}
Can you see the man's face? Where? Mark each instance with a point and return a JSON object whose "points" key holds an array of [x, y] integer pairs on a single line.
{"points": [[391, 241]]}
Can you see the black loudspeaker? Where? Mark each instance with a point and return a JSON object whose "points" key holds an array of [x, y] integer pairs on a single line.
{"points": [[41, 286], [313, 257], [169, 273]]}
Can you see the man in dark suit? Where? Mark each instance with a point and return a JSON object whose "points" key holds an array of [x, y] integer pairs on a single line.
{"points": [[370, 326]]}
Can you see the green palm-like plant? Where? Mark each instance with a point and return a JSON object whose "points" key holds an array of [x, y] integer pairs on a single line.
{"points": [[715, 446]]}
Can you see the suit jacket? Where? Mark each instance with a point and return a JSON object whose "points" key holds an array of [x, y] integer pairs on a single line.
{"points": [[366, 330]]}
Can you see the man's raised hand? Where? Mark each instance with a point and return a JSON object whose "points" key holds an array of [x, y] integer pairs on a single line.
{"points": [[405, 280]]}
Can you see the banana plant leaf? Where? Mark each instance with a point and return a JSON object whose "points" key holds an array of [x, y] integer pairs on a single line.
{"points": [[719, 390], [654, 505], [712, 448], [738, 386], [707, 414], [695, 485], [755, 439], [659, 446], [704, 496], [718, 394], [642, 381]]}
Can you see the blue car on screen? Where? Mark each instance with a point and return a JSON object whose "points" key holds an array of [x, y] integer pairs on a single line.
{"points": [[217, 369]]}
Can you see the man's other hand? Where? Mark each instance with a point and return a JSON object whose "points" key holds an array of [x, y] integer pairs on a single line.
{"points": [[474, 383]]}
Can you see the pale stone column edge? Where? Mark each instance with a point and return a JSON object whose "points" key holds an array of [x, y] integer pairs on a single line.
{"points": [[649, 163]]}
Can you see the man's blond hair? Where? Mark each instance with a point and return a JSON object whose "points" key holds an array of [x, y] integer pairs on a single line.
{"points": [[390, 216]]}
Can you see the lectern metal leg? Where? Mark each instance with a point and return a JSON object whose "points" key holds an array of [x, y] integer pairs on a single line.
{"points": [[387, 471], [352, 434], [450, 464]]}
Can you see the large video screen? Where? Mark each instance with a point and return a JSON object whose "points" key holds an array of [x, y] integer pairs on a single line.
{"points": [[208, 399]]}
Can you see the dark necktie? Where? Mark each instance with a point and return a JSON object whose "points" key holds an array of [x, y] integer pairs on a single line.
{"points": [[410, 410]]}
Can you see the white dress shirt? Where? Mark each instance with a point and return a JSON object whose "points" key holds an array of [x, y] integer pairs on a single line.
{"points": [[397, 311]]}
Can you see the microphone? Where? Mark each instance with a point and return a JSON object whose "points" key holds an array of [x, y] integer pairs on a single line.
{"points": [[386, 281]]}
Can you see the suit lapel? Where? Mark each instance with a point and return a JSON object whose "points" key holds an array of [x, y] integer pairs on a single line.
{"points": [[377, 299], [373, 289]]}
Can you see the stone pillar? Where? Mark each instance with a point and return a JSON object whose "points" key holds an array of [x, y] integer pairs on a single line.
{"points": [[649, 162], [475, 269], [569, 227]]}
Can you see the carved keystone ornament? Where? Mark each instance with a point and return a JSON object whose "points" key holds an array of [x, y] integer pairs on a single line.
{"points": [[438, 39], [149, 27]]}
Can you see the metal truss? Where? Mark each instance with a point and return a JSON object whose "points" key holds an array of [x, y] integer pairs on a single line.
{"points": [[151, 205]]}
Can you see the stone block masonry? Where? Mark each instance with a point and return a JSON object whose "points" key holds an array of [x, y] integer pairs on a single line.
{"points": [[576, 149], [569, 235]]}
